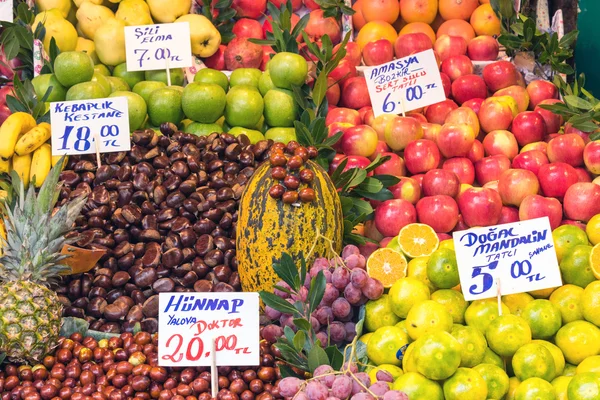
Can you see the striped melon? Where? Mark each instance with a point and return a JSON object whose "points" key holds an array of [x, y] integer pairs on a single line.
{"points": [[266, 227]]}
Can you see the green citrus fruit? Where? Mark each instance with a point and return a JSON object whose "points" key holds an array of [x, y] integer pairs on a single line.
{"points": [[393, 370], [466, 383], [379, 313], [481, 313], [568, 300], [41, 83], [436, 355], [103, 81], [543, 318], [283, 135], [160, 75], [405, 293], [265, 83], [254, 135], [280, 108], [132, 78], [566, 237], [102, 69], [472, 345], [575, 266], [590, 364], [516, 302], [442, 269], [164, 105], [408, 361], [578, 340], [416, 268], [203, 102], [136, 107], [585, 386], [570, 370], [453, 301], [590, 303], [245, 76], [402, 325], [85, 91], [427, 316], [534, 360], [561, 384], [535, 389], [506, 334], [200, 129], [557, 355], [118, 84], [489, 357], [244, 106], [73, 67], [288, 69], [416, 386], [209, 75], [513, 384], [495, 378], [384, 345], [145, 88]]}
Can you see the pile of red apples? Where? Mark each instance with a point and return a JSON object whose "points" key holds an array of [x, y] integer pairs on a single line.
{"points": [[487, 155]]}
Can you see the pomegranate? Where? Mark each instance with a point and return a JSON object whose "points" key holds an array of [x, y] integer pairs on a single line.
{"points": [[319, 26], [241, 53]]}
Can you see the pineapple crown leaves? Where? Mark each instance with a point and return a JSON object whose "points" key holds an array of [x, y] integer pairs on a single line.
{"points": [[35, 236]]}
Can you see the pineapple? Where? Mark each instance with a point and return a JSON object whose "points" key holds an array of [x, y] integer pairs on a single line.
{"points": [[30, 313]]}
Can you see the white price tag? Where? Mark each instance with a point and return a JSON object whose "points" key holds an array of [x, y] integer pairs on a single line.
{"points": [[188, 323], [161, 46], [520, 255], [6, 10], [77, 124], [405, 84]]}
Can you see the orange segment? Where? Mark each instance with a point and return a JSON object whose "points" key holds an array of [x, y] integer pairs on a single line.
{"points": [[418, 240], [387, 266], [595, 260]]}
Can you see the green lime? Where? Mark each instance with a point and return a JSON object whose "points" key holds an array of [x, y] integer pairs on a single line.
{"points": [[42, 83], [453, 301], [416, 386], [164, 105], [405, 293], [507, 333], [102, 69], [578, 340], [557, 355], [203, 102], [427, 316], [131, 78], [73, 67], [209, 75], [481, 313], [584, 386], [85, 91], [245, 76], [534, 360], [566, 237], [535, 389], [489, 357], [136, 107]]}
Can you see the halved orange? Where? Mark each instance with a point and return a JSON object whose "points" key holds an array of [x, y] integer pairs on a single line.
{"points": [[595, 260], [387, 266], [418, 240]]}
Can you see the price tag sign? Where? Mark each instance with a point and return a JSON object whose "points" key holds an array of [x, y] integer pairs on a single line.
{"points": [[520, 255], [405, 84], [151, 47], [77, 124], [6, 10], [188, 323]]}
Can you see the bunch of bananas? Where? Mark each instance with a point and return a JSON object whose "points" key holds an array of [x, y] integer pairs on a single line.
{"points": [[25, 148]]}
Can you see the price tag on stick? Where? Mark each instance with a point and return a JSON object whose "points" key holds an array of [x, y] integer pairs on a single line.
{"points": [[189, 324], [405, 84], [76, 125], [520, 256], [151, 47]]}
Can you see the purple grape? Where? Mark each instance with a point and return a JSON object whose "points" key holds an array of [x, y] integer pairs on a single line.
{"points": [[315, 390], [272, 313], [384, 376], [379, 388], [342, 387], [314, 323], [363, 378], [351, 365], [353, 295], [395, 395], [321, 263], [332, 398], [340, 278], [300, 396], [307, 280], [362, 396], [341, 308], [347, 317], [337, 332], [288, 387], [359, 278], [348, 250], [324, 373], [356, 261], [281, 294], [323, 338], [271, 332], [301, 295], [350, 331], [327, 274], [331, 293], [287, 320], [324, 315], [373, 289]]}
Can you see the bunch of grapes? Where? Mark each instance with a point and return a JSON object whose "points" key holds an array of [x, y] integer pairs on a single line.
{"points": [[330, 385], [348, 287]]}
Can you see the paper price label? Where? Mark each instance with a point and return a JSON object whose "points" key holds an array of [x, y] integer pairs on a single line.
{"points": [[519, 255], [6, 10], [405, 84], [152, 47], [77, 124], [188, 323]]}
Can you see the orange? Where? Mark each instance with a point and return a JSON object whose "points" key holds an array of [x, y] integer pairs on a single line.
{"points": [[457, 9], [418, 240], [466, 383], [358, 19], [568, 300], [484, 21], [418, 10], [542, 293], [457, 27], [595, 260], [535, 389], [422, 27], [534, 361], [376, 30], [386, 265], [592, 229], [380, 10]]}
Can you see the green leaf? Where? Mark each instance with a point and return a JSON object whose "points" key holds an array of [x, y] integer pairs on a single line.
{"points": [[337, 174], [330, 141], [336, 358], [361, 320], [97, 335], [276, 302], [568, 39], [370, 185], [71, 325], [300, 340], [286, 371], [289, 333], [360, 175], [529, 30], [2, 357], [317, 357], [377, 162], [578, 102], [382, 195], [387, 180], [303, 134], [287, 271], [289, 354], [595, 136], [302, 324], [319, 89], [316, 291], [583, 124], [319, 131]]}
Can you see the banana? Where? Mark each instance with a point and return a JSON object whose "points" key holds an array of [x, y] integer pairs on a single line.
{"points": [[41, 163], [5, 166], [56, 159], [33, 139], [14, 126], [22, 166]]}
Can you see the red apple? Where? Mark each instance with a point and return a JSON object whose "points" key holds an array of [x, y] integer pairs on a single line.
{"points": [[296, 4], [492, 185], [468, 87], [4, 113], [480, 206], [463, 115], [528, 127], [366, 115], [319, 26], [267, 51], [462, 167], [378, 52], [381, 148], [516, 184], [446, 84], [430, 131], [539, 91], [455, 140], [536, 206], [500, 74], [358, 162], [553, 121], [567, 148], [412, 43], [333, 92], [385, 241], [490, 168], [379, 123], [508, 215], [474, 104], [447, 46], [556, 178], [401, 131], [583, 175], [253, 9], [5, 91], [457, 66], [407, 189], [440, 212], [483, 48], [248, 28], [335, 163], [518, 94], [393, 215], [476, 152], [540, 146], [344, 71], [569, 128], [501, 142], [582, 201], [353, 54], [341, 114], [436, 113], [530, 160], [440, 181], [421, 156], [355, 93], [394, 166], [359, 140], [217, 60], [495, 114], [591, 157]]}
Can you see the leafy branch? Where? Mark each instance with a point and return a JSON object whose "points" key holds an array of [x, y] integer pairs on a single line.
{"points": [[283, 37], [221, 15], [334, 8], [16, 39], [25, 100]]}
